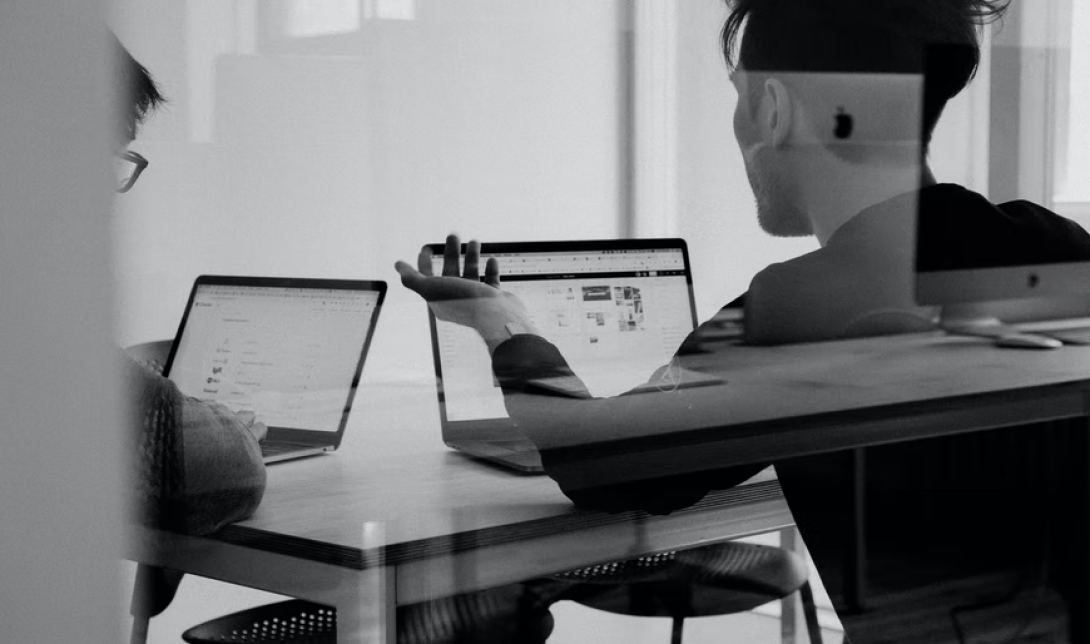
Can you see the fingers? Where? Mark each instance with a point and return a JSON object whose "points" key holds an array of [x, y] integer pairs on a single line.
{"points": [[451, 253], [410, 277], [473, 259], [260, 431], [423, 262], [492, 272]]}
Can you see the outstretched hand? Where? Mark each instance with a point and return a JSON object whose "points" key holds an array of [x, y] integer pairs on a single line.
{"points": [[464, 299]]}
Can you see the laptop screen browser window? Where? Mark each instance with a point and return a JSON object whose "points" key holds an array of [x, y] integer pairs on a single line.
{"points": [[287, 354], [289, 350], [616, 314]]}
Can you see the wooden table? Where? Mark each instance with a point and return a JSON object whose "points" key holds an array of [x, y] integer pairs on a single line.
{"points": [[396, 514]]}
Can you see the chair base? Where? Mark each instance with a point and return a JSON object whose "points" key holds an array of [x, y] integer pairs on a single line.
{"points": [[494, 616]]}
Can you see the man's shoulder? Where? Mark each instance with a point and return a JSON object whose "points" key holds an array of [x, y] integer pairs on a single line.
{"points": [[833, 292], [804, 272], [961, 229]]}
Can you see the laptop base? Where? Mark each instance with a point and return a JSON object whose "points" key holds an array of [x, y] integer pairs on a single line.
{"points": [[520, 456], [282, 453]]}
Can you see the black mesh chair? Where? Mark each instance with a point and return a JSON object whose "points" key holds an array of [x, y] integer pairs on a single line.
{"points": [[721, 579], [496, 616]]}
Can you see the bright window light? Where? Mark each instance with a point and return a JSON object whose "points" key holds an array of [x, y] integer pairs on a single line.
{"points": [[1072, 185], [395, 9], [305, 18]]}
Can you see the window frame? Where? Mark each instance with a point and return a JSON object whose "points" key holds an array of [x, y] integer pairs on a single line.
{"points": [[1063, 18]]}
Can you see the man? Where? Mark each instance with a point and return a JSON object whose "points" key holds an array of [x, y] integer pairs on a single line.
{"points": [[196, 465], [859, 198]]}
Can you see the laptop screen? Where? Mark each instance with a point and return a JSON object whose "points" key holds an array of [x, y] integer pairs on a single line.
{"points": [[616, 314], [289, 354]]}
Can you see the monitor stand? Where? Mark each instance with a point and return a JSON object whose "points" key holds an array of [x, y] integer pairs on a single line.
{"points": [[972, 319], [976, 320]]}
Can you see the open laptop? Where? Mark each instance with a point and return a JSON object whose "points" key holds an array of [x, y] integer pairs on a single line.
{"points": [[289, 350], [617, 310]]}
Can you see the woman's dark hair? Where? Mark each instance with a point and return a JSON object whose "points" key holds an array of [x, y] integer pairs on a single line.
{"points": [[138, 92], [939, 37]]}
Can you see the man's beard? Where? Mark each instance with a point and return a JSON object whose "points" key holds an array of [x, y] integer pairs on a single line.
{"points": [[777, 213]]}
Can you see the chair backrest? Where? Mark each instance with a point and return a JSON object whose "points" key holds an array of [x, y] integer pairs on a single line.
{"points": [[152, 355]]}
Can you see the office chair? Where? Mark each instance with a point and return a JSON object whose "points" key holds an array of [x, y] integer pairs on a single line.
{"points": [[508, 614], [152, 355], [721, 579]]}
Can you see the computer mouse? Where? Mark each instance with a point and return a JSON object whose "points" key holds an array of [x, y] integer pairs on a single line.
{"points": [[1027, 341]]}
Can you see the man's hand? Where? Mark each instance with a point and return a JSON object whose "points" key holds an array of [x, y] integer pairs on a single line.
{"points": [[258, 429], [466, 300]]}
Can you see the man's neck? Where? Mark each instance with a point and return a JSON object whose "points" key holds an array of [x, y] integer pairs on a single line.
{"points": [[836, 197]]}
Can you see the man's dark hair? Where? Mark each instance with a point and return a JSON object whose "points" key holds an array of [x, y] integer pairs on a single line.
{"points": [[941, 37], [138, 92]]}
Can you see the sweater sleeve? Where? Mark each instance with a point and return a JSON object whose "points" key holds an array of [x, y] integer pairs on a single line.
{"points": [[196, 467], [553, 407]]}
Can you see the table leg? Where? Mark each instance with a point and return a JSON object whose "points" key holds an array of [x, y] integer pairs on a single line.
{"points": [[1078, 546], [366, 612], [789, 540], [855, 568], [367, 609]]}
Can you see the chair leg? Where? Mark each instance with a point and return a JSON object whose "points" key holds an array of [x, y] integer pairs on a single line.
{"points": [[813, 629], [139, 629], [675, 632], [153, 590], [140, 607], [790, 541]]}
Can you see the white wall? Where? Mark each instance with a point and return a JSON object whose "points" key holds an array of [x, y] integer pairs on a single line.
{"points": [[336, 156], [60, 421]]}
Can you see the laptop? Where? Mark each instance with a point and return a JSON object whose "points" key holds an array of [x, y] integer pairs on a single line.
{"points": [[289, 350], [617, 310]]}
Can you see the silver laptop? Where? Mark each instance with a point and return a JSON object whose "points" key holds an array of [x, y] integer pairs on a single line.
{"points": [[289, 350], [617, 310]]}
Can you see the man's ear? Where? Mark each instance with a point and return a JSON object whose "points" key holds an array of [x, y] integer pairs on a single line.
{"points": [[778, 113]]}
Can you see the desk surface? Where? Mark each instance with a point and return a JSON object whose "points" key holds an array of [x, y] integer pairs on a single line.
{"points": [[782, 402], [432, 503]]}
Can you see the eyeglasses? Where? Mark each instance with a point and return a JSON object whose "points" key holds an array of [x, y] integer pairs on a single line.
{"points": [[127, 169]]}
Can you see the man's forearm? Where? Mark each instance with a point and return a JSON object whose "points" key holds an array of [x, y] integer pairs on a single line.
{"points": [[225, 476]]}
